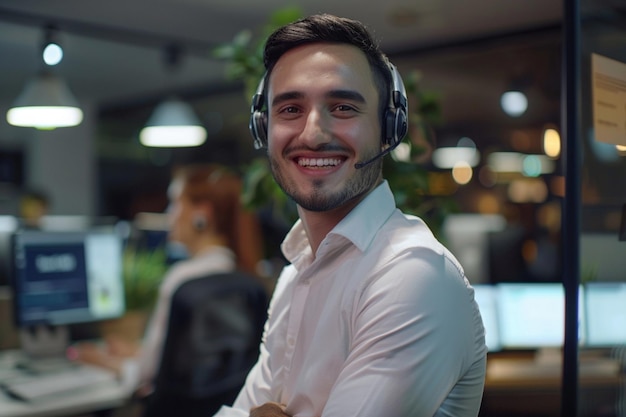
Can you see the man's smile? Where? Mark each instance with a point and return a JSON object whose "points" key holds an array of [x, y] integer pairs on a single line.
{"points": [[318, 162]]}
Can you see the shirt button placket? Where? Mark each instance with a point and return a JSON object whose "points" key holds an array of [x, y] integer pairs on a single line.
{"points": [[297, 311]]}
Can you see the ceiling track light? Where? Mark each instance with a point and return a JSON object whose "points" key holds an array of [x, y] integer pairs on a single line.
{"points": [[51, 50], [514, 103], [513, 100]]}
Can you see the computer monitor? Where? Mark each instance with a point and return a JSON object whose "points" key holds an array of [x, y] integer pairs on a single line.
{"points": [[602, 257], [8, 226], [486, 298], [62, 278], [605, 314], [467, 236], [531, 315]]}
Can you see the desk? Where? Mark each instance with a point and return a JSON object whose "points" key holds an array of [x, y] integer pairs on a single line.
{"points": [[537, 392], [91, 399]]}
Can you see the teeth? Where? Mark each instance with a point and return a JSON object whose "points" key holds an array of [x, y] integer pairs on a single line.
{"points": [[318, 162]]}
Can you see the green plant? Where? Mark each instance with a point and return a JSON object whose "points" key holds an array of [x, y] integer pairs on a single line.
{"points": [[245, 53], [408, 178], [143, 272]]}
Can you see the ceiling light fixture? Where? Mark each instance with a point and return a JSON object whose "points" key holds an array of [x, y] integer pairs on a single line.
{"points": [[515, 162], [514, 101], [46, 101], [173, 123], [450, 156], [52, 52], [551, 142]]}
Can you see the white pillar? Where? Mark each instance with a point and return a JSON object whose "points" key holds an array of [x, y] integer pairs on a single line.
{"points": [[62, 162]]}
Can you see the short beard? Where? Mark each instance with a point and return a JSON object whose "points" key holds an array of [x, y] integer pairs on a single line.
{"points": [[362, 181]]}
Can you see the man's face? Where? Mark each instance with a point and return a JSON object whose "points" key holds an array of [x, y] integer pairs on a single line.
{"points": [[323, 118]]}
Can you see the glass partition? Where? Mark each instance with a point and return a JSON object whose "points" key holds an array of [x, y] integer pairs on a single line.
{"points": [[602, 240]]}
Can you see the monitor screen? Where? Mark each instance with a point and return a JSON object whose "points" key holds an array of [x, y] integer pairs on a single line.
{"points": [[64, 278], [467, 236], [531, 315], [602, 257], [485, 296], [605, 310], [8, 226]]}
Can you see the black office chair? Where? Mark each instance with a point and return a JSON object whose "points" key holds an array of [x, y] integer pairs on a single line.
{"points": [[213, 335]]}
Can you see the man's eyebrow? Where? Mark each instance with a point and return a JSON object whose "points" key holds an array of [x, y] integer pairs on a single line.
{"points": [[346, 95], [289, 95], [336, 94]]}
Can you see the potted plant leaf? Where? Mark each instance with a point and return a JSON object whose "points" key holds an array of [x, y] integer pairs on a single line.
{"points": [[143, 271]]}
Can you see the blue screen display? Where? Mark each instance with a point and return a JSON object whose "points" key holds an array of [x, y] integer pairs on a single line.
{"points": [[64, 278]]}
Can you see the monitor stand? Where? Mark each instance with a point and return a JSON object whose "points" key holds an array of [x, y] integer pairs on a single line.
{"points": [[44, 348]]}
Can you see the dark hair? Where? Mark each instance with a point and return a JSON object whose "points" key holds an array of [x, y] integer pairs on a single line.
{"points": [[327, 28]]}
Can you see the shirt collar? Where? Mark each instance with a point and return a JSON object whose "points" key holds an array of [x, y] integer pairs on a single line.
{"points": [[359, 226]]}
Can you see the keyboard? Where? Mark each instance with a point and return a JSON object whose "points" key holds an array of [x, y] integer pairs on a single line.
{"points": [[34, 387], [46, 365]]}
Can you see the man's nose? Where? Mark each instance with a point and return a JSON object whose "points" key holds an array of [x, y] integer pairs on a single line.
{"points": [[316, 130]]}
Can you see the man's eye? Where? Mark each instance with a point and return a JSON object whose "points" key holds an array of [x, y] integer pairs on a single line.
{"points": [[288, 112], [289, 109], [344, 108]]}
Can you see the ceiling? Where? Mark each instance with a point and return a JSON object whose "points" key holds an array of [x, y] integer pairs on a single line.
{"points": [[114, 50]]}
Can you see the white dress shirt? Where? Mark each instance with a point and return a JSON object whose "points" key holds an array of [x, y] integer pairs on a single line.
{"points": [[381, 322]]}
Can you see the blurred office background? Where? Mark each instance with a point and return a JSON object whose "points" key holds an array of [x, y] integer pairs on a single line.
{"points": [[121, 60], [503, 167]]}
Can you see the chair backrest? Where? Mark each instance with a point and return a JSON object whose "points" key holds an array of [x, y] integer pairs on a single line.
{"points": [[212, 341]]}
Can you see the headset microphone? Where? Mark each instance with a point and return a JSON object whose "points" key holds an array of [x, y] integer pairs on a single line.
{"points": [[360, 165]]}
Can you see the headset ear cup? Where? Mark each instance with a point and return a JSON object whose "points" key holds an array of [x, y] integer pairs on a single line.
{"points": [[258, 117], [263, 127], [395, 126], [389, 126], [258, 127], [395, 119], [401, 124]]}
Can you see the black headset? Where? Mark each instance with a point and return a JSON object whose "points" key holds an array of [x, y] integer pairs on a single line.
{"points": [[395, 121]]}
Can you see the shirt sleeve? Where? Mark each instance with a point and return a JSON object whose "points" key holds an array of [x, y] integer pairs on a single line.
{"points": [[413, 337]]}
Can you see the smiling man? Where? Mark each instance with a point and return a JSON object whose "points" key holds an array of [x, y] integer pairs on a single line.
{"points": [[373, 316]]}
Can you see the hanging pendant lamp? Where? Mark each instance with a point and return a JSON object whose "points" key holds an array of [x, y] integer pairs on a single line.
{"points": [[45, 103], [174, 124]]}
